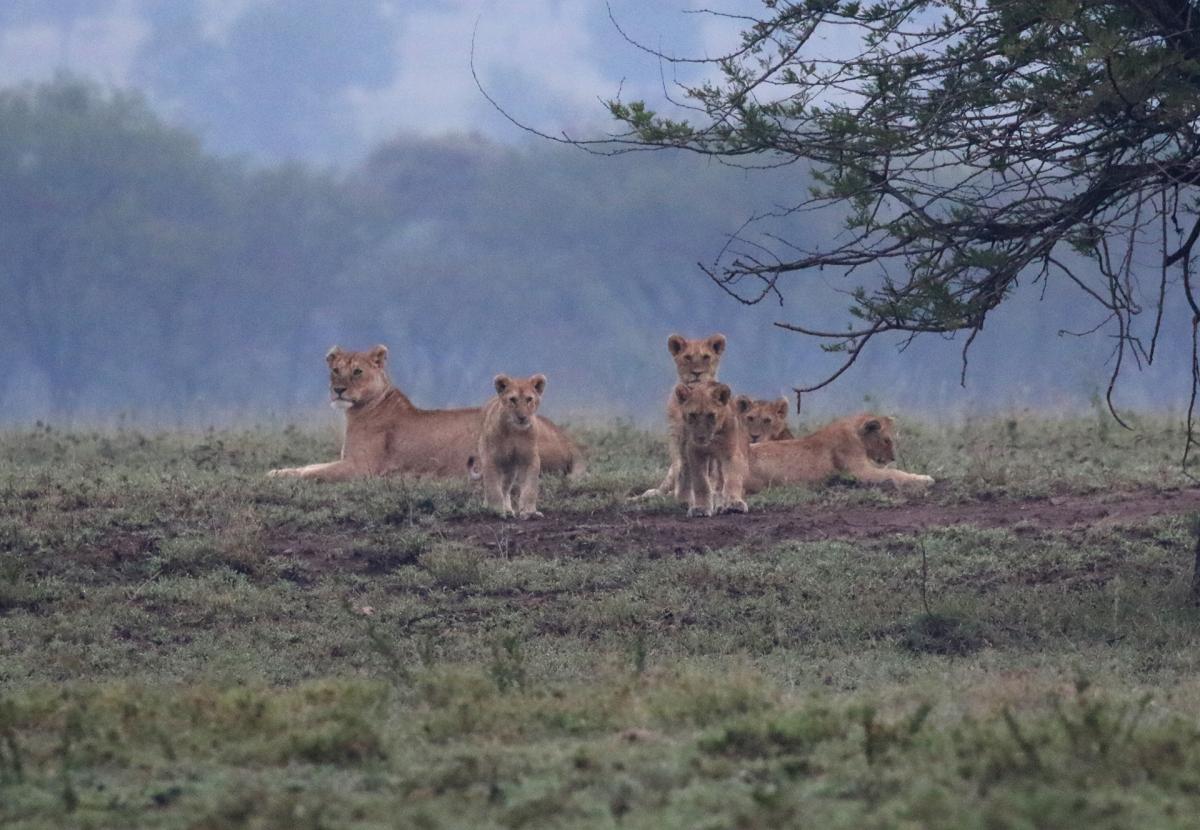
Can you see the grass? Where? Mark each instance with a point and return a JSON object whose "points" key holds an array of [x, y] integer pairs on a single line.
{"points": [[184, 643]]}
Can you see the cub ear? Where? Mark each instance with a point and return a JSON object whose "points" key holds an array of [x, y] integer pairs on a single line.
{"points": [[501, 382], [743, 403], [682, 393], [781, 407], [539, 383], [721, 394], [378, 355], [332, 354], [717, 343], [675, 344], [870, 426]]}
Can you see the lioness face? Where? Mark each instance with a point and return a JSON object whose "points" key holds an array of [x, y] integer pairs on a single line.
{"points": [[879, 439], [356, 378], [764, 420], [696, 360], [521, 398], [705, 408]]}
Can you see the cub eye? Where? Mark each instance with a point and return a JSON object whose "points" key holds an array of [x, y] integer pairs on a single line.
{"points": [[529, 399], [357, 371], [711, 417], [691, 416], [337, 373]]}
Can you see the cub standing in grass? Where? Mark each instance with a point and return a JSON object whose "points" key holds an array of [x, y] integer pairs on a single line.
{"points": [[696, 361], [715, 451], [764, 420], [509, 461]]}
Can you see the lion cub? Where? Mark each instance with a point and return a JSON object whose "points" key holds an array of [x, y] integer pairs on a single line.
{"points": [[764, 420], [860, 446], [696, 361], [714, 449], [510, 463]]}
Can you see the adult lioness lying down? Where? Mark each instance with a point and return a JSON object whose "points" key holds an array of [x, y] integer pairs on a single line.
{"points": [[386, 433], [858, 446]]}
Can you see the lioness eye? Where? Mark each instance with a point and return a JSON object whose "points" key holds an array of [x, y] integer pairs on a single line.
{"points": [[357, 372], [711, 417]]}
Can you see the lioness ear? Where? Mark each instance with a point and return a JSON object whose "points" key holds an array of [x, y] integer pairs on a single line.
{"points": [[717, 343], [682, 393], [721, 394], [378, 355], [743, 403], [781, 407], [675, 344], [539, 383], [501, 382], [332, 354], [871, 426]]}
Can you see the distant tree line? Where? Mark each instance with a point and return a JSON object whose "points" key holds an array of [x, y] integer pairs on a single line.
{"points": [[141, 273]]}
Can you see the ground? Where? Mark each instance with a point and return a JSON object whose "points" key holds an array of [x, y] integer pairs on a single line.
{"points": [[184, 643]]}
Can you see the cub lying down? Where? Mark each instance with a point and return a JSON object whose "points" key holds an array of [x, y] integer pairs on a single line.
{"points": [[857, 446]]}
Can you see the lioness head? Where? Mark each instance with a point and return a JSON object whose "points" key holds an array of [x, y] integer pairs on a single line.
{"points": [[878, 434], [696, 360], [520, 398], [764, 420], [356, 378], [705, 408]]}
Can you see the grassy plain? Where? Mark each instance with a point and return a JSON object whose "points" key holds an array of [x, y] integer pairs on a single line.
{"points": [[184, 643]]}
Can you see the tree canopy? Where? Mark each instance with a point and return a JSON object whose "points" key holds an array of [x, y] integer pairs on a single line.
{"points": [[973, 145]]}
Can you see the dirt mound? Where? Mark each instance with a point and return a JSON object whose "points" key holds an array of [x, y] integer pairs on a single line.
{"points": [[662, 534]]}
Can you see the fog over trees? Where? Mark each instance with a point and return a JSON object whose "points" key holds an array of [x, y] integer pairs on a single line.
{"points": [[144, 275]]}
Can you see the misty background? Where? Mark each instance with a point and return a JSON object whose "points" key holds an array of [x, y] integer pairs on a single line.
{"points": [[198, 198]]}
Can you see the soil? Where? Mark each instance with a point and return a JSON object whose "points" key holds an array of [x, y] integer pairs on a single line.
{"points": [[673, 533]]}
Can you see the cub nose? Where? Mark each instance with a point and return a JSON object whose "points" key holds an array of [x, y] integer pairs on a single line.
{"points": [[337, 390]]}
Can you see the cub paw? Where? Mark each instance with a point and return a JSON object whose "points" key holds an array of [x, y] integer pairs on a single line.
{"points": [[525, 515], [736, 506], [693, 512]]}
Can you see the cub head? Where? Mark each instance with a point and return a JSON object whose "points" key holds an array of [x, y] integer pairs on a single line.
{"points": [[763, 420], [520, 398], [356, 378], [696, 360], [878, 435], [705, 408]]}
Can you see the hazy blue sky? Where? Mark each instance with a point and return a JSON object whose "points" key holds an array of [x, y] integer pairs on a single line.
{"points": [[325, 79]]}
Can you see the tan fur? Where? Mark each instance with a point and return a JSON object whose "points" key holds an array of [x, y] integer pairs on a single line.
{"points": [[764, 420], [858, 446], [696, 361], [714, 449], [509, 462], [387, 434]]}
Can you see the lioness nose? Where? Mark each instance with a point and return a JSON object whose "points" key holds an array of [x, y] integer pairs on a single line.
{"points": [[337, 390]]}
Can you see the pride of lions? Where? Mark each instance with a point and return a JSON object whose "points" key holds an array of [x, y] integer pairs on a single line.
{"points": [[722, 447]]}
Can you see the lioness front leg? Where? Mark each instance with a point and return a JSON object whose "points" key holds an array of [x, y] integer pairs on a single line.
{"points": [[329, 471], [701, 494], [497, 488], [733, 487], [527, 490], [882, 475]]}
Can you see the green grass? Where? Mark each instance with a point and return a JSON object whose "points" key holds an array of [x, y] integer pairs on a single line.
{"points": [[184, 643]]}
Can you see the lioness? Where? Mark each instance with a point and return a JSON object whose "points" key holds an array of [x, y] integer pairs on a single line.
{"points": [[714, 449], [386, 434], [858, 446], [696, 361], [764, 420], [508, 449]]}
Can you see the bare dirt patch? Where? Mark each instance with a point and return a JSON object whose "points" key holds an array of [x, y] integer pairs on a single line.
{"points": [[662, 534]]}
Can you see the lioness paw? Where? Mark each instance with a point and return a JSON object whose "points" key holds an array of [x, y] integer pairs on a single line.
{"points": [[693, 512], [283, 472], [531, 514], [736, 506]]}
